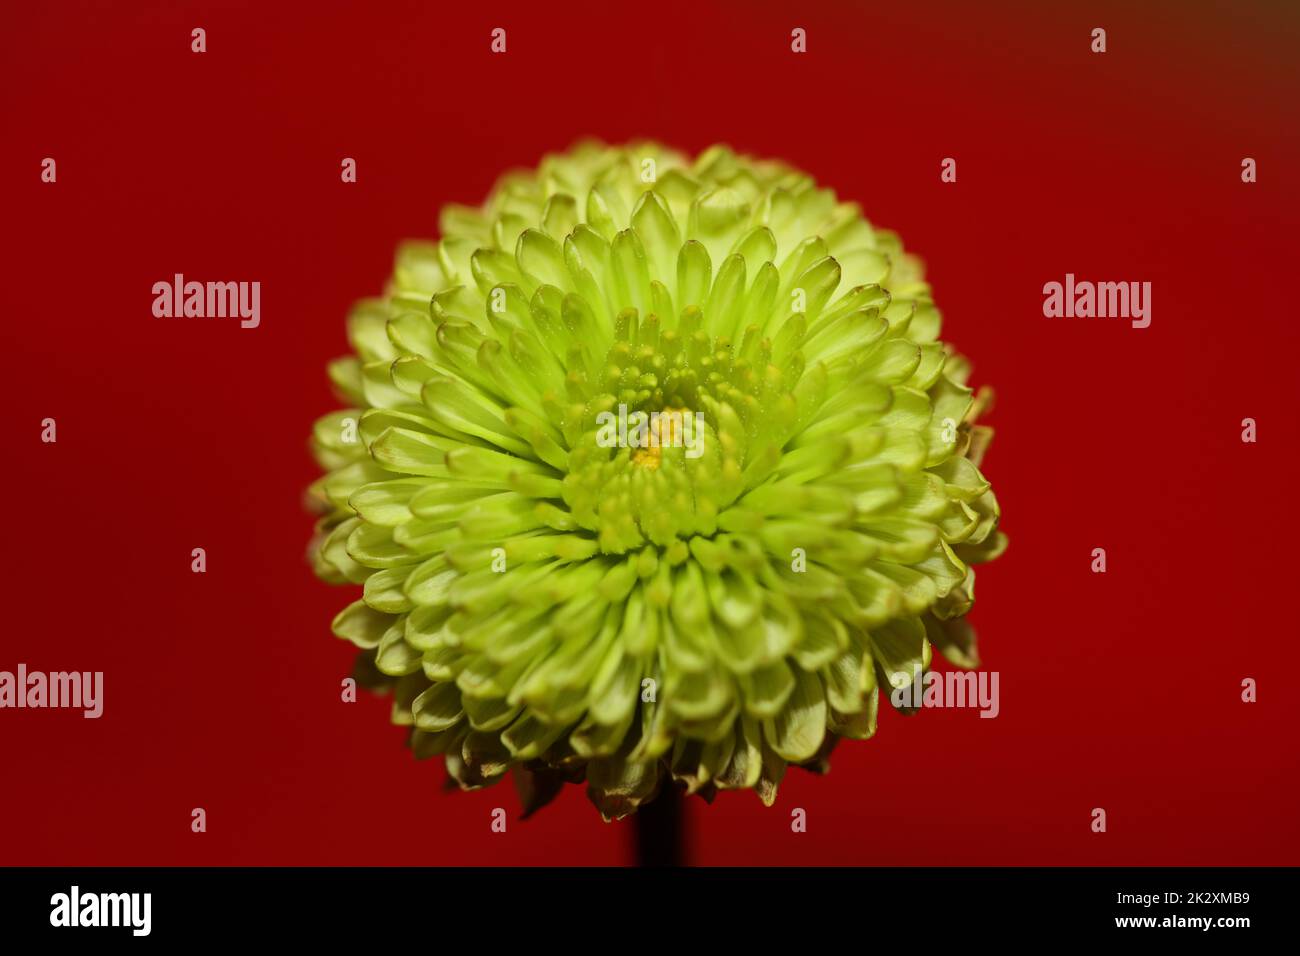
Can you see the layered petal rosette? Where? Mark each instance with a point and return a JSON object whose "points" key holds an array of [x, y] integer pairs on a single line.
{"points": [[543, 599]]}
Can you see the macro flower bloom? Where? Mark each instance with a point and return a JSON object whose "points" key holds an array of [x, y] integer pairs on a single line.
{"points": [[545, 600]]}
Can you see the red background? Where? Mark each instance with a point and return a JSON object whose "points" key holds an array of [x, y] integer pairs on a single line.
{"points": [[1119, 691]]}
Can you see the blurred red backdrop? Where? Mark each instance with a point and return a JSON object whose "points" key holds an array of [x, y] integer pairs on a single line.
{"points": [[1119, 691]]}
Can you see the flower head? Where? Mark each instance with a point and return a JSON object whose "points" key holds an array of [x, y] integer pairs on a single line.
{"points": [[653, 468]]}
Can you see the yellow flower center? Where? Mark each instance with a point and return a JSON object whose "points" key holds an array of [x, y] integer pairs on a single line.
{"points": [[667, 428]]}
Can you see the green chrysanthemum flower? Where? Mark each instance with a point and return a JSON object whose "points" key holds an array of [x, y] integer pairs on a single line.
{"points": [[541, 601]]}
